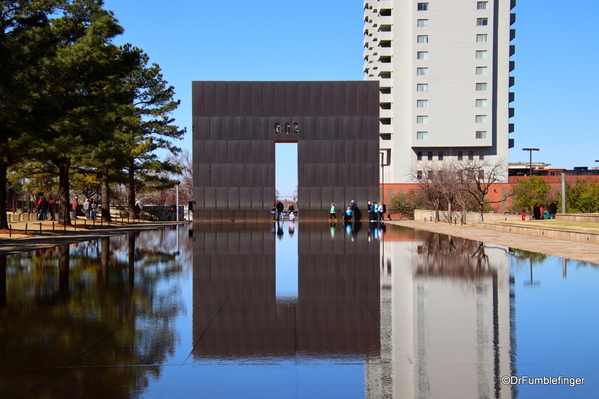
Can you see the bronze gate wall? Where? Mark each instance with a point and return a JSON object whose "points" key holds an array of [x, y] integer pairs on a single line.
{"points": [[235, 126]]}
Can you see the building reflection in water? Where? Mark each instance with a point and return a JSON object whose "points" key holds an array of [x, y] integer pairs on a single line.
{"points": [[318, 310], [429, 315], [236, 309], [446, 317]]}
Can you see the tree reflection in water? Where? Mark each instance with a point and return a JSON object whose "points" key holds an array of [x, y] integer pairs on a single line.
{"points": [[113, 304]]}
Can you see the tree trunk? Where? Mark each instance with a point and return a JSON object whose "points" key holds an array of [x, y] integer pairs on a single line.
{"points": [[3, 215], [64, 203], [131, 181], [481, 204], [105, 194]]}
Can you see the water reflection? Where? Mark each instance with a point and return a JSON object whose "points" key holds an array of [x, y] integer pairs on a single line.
{"points": [[294, 310], [235, 282], [69, 311]]}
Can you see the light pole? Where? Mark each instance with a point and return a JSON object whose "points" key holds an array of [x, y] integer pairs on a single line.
{"points": [[382, 177], [530, 164], [177, 199]]}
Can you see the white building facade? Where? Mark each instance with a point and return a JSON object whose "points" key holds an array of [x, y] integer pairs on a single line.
{"points": [[444, 72]]}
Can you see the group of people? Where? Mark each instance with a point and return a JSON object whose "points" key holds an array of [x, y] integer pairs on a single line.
{"points": [[540, 213], [375, 212], [46, 207], [277, 211], [90, 208]]}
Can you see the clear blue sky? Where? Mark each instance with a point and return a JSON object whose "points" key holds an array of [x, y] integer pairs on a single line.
{"points": [[556, 58]]}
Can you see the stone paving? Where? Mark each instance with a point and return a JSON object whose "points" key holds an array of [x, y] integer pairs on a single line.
{"points": [[566, 249]]}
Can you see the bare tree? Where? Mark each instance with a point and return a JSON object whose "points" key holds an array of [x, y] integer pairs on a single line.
{"points": [[478, 176], [437, 183]]}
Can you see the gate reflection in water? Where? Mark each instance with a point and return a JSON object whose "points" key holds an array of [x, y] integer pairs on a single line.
{"points": [[372, 312]]}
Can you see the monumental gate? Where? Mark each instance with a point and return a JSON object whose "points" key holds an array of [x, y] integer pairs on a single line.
{"points": [[236, 126]]}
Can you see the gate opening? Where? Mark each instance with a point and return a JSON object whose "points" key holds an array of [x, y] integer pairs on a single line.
{"points": [[286, 173]]}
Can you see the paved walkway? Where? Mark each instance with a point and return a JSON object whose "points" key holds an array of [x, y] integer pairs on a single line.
{"points": [[562, 248], [19, 242]]}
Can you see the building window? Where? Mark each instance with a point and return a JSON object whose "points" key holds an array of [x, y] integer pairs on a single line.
{"points": [[419, 156], [471, 155], [422, 6], [440, 155], [481, 87], [422, 119], [430, 156], [422, 39], [422, 71], [422, 87], [481, 102], [421, 136], [481, 53], [481, 119], [482, 38], [419, 174], [422, 55], [421, 103], [481, 5], [422, 23], [385, 43], [481, 134], [460, 155], [482, 21], [481, 156], [482, 70]]}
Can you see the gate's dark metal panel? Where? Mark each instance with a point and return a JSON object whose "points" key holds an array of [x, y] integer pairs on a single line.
{"points": [[234, 151]]}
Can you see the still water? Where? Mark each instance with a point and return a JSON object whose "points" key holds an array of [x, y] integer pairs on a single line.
{"points": [[296, 310]]}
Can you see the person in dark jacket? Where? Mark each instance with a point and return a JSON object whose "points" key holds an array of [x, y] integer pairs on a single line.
{"points": [[536, 212], [280, 208], [553, 209]]}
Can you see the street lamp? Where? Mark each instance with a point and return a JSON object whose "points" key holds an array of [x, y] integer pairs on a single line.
{"points": [[530, 164], [383, 152], [177, 200]]}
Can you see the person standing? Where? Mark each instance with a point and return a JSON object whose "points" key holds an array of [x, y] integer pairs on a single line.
{"points": [[43, 208], [332, 212], [86, 205], [355, 211], [93, 209], [553, 209], [291, 209], [52, 208], [75, 207], [280, 208], [536, 212]]}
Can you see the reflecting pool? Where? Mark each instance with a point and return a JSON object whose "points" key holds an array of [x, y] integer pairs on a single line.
{"points": [[296, 310]]}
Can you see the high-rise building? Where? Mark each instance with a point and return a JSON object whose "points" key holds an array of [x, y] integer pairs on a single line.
{"points": [[444, 71]]}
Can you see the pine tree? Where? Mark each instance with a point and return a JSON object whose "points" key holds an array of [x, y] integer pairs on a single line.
{"points": [[25, 45], [150, 129], [84, 68]]}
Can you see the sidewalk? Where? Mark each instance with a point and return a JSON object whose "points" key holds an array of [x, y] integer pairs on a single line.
{"points": [[585, 252], [53, 233]]}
